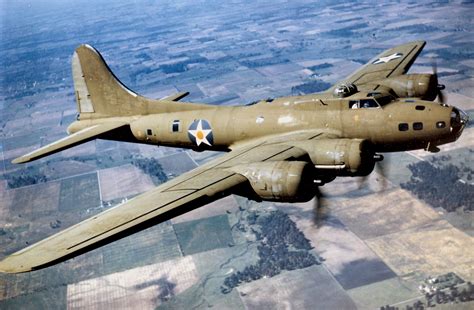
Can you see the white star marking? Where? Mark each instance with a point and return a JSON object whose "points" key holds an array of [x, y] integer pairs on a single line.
{"points": [[200, 134], [387, 58]]}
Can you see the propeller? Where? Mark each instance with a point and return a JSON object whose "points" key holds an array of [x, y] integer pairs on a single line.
{"points": [[439, 87], [381, 168], [322, 201], [320, 206]]}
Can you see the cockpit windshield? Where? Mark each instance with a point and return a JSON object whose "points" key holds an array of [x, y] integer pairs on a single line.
{"points": [[363, 104], [368, 103], [385, 100]]}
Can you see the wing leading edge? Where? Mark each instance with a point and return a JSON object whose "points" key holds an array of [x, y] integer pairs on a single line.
{"points": [[190, 190]]}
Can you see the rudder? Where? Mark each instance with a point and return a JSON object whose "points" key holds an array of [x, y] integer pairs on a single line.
{"points": [[98, 91]]}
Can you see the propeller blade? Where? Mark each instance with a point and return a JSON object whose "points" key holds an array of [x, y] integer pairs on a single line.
{"points": [[441, 97], [362, 181], [319, 207], [439, 87], [381, 168]]}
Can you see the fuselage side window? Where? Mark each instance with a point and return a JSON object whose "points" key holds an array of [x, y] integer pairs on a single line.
{"points": [[403, 126], [417, 126], [175, 126]]}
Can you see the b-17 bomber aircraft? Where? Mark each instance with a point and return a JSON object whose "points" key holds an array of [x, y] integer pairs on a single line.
{"points": [[276, 150]]}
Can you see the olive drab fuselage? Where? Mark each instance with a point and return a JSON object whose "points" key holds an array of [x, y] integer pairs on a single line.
{"points": [[388, 128]]}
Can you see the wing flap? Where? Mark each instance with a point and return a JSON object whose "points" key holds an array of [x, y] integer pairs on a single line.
{"points": [[82, 136]]}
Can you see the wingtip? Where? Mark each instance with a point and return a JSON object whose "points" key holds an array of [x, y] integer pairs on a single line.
{"points": [[421, 42], [8, 265], [20, 160]]}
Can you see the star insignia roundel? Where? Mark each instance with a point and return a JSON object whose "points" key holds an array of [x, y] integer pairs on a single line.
{"points": [[200, 132], [383, 60]]}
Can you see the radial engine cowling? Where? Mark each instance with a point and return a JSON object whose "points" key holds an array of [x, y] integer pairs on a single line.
{"points": [[283, 181], [339, 157], [424, 86]]}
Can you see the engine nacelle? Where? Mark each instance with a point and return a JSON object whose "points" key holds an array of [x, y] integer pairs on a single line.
{"points": [[283, 181], [339, 157], [424, 86]]}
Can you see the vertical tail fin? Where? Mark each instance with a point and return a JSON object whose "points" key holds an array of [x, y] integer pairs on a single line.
{"points": [[97, 89], [99, 93]]}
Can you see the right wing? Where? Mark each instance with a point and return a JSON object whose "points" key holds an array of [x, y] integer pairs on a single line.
{"points": [[195, 188], [392, 62]]}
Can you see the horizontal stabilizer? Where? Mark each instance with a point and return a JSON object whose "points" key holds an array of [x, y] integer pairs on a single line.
{"points": [[176, 97], [82, 136]]}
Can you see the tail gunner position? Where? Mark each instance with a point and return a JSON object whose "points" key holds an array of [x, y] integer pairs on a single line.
{"points": [[277, 150]]}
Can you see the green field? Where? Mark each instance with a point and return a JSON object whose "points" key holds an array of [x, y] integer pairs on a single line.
{"points": [[204, 234]]}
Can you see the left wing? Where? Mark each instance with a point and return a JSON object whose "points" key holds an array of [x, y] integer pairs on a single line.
{"points": [[82, 136], [195, 188], [392, 62]]}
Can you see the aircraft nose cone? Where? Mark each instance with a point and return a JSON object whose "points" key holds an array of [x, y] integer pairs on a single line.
{"points": [[464, 117], [459, 120]]}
